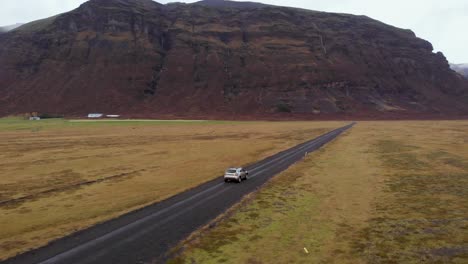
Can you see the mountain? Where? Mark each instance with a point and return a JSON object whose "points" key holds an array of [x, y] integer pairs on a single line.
{"points": [[229, 4], [10, 27], [460, 68], [222, 59]]}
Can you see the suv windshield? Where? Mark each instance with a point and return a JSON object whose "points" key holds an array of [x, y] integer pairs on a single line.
{"points": [[231, 171]]}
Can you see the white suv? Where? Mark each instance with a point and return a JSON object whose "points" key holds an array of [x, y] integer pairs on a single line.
{"points": [[235, 174]]}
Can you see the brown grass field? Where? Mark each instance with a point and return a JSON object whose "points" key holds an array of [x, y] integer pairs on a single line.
{"points": [[58, 177], [383, 192]]}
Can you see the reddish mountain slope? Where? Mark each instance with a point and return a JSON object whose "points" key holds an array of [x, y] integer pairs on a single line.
{"points": [[142, 58]]}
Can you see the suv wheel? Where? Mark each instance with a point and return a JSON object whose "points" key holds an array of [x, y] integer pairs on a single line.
{"points": [[240, 179]]}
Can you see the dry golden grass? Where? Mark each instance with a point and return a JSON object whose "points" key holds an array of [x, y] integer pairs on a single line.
{"points": [[384, 192], [58, 177]]}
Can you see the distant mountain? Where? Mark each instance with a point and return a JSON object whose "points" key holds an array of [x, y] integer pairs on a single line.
{"points": [[460, 68], [10, 27], [222, 59], [229, 4]]}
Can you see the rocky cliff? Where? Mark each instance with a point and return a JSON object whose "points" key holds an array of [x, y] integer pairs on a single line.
{"points": [[219, 58]]}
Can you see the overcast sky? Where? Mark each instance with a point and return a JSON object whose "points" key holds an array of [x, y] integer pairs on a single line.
{"points": [[443, 22]]}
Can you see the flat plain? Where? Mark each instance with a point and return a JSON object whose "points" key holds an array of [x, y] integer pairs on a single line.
{"points": [[60, 176], [383, 192]]}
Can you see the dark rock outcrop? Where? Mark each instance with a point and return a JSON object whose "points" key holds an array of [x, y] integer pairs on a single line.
{"points": [[216, 59]]}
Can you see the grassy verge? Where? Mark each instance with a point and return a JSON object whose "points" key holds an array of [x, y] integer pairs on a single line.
{"points": [[58, 177], [423, 213], [385, 192], [19, 124]]}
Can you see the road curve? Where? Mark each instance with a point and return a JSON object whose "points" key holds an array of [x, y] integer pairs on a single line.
{"points": [[147, 234]]}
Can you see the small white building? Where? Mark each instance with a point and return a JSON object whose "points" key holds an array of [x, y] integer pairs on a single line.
{"points": [[112, 116], [34, 118], [95, 115]]}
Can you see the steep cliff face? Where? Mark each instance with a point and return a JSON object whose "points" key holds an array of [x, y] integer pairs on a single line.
{"points": [[219, 58]]}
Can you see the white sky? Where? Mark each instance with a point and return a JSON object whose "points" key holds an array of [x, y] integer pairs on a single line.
{"points": [[442, 22]]}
